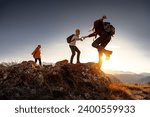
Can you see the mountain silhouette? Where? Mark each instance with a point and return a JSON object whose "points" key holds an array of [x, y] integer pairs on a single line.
{"points": [[83, 81]]}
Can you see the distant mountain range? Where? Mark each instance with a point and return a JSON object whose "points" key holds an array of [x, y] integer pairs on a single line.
{"points": [[130, 77], [145, 80], [113, 78], [145, 74]]}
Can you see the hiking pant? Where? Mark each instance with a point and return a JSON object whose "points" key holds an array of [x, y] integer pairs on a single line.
{"points": [[102, 41], [39, 60], [74, 49]]}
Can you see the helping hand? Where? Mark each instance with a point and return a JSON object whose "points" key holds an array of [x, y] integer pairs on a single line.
{"points": [[84, 37]]}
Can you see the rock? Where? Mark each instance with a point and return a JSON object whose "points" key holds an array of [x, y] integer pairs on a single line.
{"points": [[63, 81], [33, 91], [63, 62], [5, 76]]}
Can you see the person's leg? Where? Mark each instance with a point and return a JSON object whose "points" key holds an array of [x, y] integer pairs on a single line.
{"points": [[35, 60], [73, 53], [40, 61], [101, 42], [96, 43], [100, 61], [106, 40], [78, 54]]}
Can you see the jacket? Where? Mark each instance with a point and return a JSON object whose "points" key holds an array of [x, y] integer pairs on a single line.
{"points": [[36, 53]]}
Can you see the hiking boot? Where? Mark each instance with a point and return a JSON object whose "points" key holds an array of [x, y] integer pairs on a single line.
{"points": [[108, 53]]}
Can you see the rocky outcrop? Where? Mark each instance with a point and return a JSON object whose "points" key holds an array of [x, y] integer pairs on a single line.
{"points": [[62, 81]]}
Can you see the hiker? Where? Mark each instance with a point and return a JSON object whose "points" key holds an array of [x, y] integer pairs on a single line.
{"points": [[37, 54], [72, 44], [104, 33]]}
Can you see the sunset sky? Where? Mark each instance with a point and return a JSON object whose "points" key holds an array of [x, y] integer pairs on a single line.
{"points": [[26, 23]]}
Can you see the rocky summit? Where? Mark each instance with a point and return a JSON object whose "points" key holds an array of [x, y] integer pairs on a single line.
{"points": [[62, 81]]}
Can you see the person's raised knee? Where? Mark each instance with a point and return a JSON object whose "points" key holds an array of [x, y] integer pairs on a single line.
{"points": [[94, 45]]}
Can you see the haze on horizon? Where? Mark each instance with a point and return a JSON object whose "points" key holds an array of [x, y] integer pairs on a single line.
{"points": [[26, 23]]}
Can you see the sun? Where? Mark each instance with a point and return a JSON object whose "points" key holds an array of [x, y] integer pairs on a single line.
{"points": [[114, 63]]}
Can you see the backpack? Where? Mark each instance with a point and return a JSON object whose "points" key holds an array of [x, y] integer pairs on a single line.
{"points": [[108, 27], [69, 38]]}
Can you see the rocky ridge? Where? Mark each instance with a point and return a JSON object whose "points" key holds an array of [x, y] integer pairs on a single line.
{"points": [[27, 81]]}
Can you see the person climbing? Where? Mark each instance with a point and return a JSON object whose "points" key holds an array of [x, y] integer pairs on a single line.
{"points": [[72, 44], [104, 30], [37, 54]]}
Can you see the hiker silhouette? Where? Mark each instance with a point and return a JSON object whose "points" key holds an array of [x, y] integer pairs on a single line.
{"points": [[37, 54], [72, 44], [104, 30]]}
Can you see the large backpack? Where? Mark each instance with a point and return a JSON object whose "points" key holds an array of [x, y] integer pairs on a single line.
{"points": [[69, 38], [108, 27]]}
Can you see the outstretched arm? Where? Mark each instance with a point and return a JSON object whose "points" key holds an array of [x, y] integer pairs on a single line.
{"points": [[90, 35], [77, 39]]}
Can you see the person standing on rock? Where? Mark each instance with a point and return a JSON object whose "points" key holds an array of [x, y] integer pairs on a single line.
{"points": [[37, 54], [72, 44]]}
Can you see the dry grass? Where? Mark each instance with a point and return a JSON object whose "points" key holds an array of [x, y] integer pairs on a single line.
{"points": [[119, 91], [129, 91]]}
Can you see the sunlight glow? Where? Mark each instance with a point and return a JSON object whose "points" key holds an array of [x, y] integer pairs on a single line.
{"points": [[122, 59]]}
